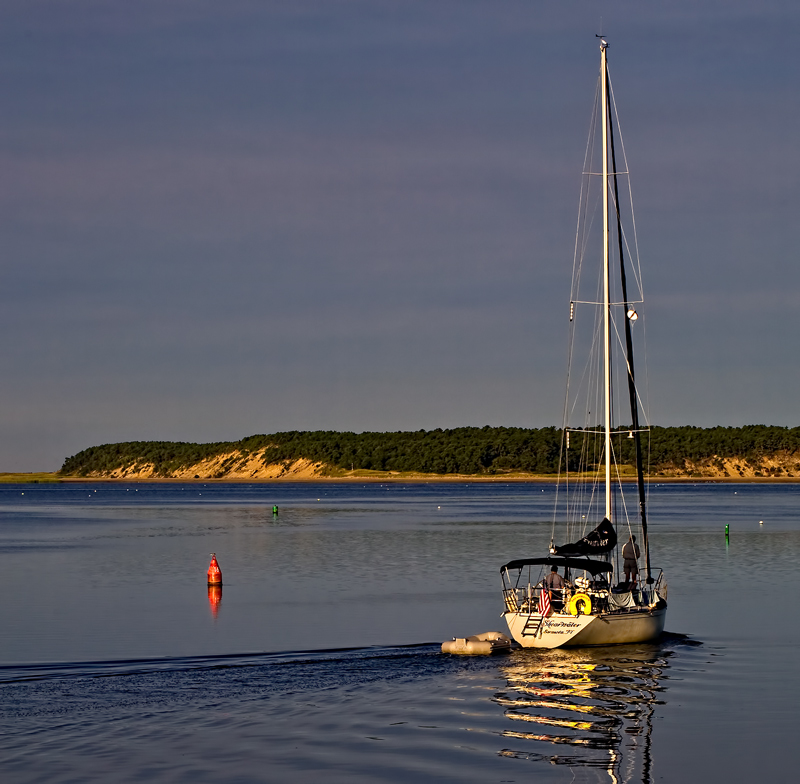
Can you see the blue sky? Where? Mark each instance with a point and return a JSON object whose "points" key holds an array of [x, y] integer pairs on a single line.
{"points": [[221, 219]]}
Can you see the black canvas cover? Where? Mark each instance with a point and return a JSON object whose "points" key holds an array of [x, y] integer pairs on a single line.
{"points": [[602, 540], [593, 567]]}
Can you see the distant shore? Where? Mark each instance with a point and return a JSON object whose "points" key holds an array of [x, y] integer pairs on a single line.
{"points": [[467, 454], [377, 477]]}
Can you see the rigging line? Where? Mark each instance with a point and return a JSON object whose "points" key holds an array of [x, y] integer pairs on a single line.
{"points": [[629, 369], [563, 452], [592, 356], [638, 271], [592, 443], [593, 394], [590, 456], [621, 495], [577, 267], [588, 154], [582, 231], [583, 228], [649, 460], [584, 235], [586, 488], [624, 236], [640, 483], [591, 401], [585, 224], [590, 497], [638, 275], [612, 304]]}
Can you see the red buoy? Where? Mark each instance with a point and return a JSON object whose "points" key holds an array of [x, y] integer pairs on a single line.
{"points": [[214, 574]]}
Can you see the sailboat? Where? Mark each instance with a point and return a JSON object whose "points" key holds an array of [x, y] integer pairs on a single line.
{"points": [[600, 588]]}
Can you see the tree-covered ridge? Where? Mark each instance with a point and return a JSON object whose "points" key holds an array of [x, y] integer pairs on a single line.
{"points": [[466, 450], [166, 456], [461, 451]]}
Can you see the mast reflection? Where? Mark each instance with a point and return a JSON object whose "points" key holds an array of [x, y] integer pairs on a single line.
{"points": [[588, 708]]}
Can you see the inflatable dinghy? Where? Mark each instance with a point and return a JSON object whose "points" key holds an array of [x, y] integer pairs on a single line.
{"points": [[478, 644]]}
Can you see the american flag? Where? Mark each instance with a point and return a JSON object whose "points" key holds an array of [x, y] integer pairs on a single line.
{"points": [[544, 602]]}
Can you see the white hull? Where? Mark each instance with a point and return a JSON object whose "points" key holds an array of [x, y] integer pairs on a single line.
{"points": [[561, 629]]}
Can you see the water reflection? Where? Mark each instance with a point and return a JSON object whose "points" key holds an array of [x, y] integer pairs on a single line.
{"points": [[589, 708], [214, 599]]}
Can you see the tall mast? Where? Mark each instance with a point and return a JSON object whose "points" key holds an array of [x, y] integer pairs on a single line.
{"points": [[606, 283]]}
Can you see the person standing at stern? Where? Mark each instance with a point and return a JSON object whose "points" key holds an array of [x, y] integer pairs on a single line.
{"points": [[630, 554]]}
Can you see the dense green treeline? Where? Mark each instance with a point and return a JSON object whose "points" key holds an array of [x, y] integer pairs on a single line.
{"points": [[460, 451], [668, 448], [466, 450]]}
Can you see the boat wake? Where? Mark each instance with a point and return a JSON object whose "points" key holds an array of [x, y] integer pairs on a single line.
{"points": [[17, 673]]}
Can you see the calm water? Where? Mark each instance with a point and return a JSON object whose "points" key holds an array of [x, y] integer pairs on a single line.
{"points": [[321, 660]]}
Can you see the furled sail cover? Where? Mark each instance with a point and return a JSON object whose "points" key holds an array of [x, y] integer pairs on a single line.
{"points": [[601, 540]]}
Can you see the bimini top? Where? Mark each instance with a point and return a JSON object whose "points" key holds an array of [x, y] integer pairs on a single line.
{"points": [[593, 567]]}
